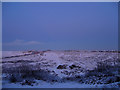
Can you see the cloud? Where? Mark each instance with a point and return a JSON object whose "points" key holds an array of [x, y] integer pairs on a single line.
{"points": [[22, 43]]}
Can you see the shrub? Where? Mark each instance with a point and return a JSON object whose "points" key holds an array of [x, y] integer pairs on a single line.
{"points": [[30, 72]]}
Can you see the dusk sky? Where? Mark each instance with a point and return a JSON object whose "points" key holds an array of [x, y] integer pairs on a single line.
{"points": [[60, 26]]}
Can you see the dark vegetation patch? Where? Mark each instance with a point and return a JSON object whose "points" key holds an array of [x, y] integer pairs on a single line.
{"points": [[106, 51], [28, 82], [16, 56], [103, 74], [26, 74], [110, 51], [18, 61]]}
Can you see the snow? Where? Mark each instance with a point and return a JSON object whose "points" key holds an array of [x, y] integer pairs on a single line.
{"points": [[83, 62], [13, 53], [43, 84]]}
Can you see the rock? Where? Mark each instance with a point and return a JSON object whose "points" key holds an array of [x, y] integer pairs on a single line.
{"points": [[74, 66], [27, 82], [61, 67], [78, 77]]}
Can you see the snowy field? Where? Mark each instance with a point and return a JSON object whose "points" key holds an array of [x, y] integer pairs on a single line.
{"points": [[60, 69]]}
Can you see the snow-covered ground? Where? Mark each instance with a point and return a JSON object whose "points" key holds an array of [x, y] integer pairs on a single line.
{"points": [[13, 53], [60, 69]]}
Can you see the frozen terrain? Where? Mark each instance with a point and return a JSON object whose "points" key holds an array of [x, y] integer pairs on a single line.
{"points": [[60, 69]]}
